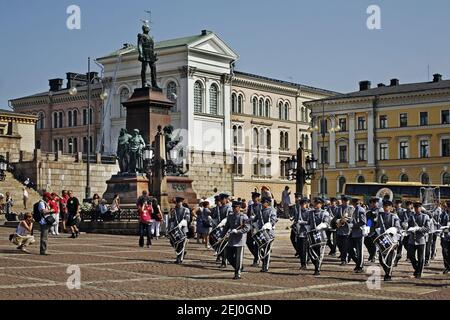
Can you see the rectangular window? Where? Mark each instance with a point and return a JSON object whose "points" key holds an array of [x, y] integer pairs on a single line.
{"points": [[342, 154], [446, 147], [383, 122], [384, 151], [403, 120], [424, 149], [424, 118], [404, 146], [362, 152], [445, 116], [324, 155], [323, 126], [362, 123], [343, 124]]}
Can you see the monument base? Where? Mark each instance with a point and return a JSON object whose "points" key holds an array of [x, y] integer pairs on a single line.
{"points": [[128, 187], [181, 187]]}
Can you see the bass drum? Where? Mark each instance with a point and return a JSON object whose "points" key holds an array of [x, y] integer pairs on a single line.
{"points": [[215, 237], [385, 192]]}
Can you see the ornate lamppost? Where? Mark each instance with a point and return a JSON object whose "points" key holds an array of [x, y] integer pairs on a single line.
{"points": [[299, 173]]}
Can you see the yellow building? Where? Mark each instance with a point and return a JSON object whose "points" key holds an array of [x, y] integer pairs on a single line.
{"points": [[383, 134]]}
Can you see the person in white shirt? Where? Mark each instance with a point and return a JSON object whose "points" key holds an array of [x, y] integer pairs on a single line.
{"points": [[22, 237]]}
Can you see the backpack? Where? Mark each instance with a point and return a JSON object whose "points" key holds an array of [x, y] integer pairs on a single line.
{"points": [[36, 213]]}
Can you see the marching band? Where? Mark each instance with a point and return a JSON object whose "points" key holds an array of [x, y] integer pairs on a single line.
{"points": [[384, 228]]}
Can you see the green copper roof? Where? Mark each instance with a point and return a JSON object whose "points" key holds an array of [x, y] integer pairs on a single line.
{"points": [[131, 48]]}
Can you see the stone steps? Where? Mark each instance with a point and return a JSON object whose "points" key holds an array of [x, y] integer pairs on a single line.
{"points": [[14, 187]]}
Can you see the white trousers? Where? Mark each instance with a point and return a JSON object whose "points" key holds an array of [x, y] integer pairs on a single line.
{"points": [[55, 228], [156, 225]]}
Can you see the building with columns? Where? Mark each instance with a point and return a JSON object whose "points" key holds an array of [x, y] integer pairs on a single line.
{"points": [[389, 133]]}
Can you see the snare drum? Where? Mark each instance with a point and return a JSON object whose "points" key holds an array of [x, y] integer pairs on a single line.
{"points": [[176, 235], [263, 238], [385, 243], [215, 237], [317, 238]]}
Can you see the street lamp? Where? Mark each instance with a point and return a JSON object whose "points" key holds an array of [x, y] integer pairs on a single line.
{"points": [[103, 96], [296, 170]]}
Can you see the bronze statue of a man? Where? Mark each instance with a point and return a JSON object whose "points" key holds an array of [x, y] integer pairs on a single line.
{"points": [[123, 147], [137, 145], [147, 55]]}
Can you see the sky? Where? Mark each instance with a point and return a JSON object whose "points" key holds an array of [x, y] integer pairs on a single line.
{"points": [[321, 43]]}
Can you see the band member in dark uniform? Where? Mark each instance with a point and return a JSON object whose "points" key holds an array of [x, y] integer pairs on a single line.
{"points": [[294, 230], [419, 226], [388, 222], [266, 219], [180, 216], [331, 233], [302, 227], [403, 214], [372, 216], [237, 227], [343, 215], [430, 250], [225, 210], [358, 222], [252, 211], [445, 236], [318, 219]]}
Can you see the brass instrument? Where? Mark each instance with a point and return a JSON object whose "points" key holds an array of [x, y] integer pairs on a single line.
{"points": [[347, 216]]}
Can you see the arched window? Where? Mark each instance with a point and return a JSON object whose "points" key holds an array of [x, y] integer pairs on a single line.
{"points": [[280, 110], [75, 118], [171, 91], [234, 165], [61, 145], [269, 139], [261, 137], [342, 182], [255, 167], [282, 147], [61, 120], [286, 111], [124, 95], [262, 168], [240, 108], [261, 107], [384, 179], [240, 135], [425, 178], [55, 123], [282, 169], [214, 100], [235, 136], [40, 124], [75, 145], [446, 178], [85, 144], [361, 179], [268, 168], [91, 116], [302, 114], [255, 137], [404, 178], [198, 97], [234, 103], [240, 169], [255, 106], [69, 116], [70, 144], [323, 186], [286, 141], [306, 145], [85, 117], [267, 109]]}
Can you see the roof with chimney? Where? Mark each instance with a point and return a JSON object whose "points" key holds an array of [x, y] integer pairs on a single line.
{"points": [[394, 88]]}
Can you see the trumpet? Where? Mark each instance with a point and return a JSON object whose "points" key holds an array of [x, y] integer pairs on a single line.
{"points": [[348, 215]]}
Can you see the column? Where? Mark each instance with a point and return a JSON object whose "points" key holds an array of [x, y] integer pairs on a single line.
{"points": [[370, 140], [314, 143], [351, 140], [332, 145]]}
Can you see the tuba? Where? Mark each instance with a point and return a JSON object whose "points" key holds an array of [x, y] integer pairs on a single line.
{"points": [[346, 217]]}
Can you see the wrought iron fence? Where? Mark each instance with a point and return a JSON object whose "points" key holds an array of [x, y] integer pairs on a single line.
{"points": [[122, 215]]}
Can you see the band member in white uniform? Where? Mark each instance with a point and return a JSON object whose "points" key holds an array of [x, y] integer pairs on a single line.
{"points": [[372, 217], [331, 233], [358, 224], [419, 226], [237, 226], [180, 216], [224, 211], [318, 219], [343, 228], [388, 222], [266, 219], [253, 209], [302, 227]]}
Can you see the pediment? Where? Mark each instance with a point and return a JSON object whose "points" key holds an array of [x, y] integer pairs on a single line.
{"points": [[213, 45]]}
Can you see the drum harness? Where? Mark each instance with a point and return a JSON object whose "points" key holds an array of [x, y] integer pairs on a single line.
{"points": [[264, 252], [322, 251], [186, 239], [394, 248]]}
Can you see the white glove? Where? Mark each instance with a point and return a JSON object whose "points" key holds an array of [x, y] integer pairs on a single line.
{"points": [[267, 226], [234, 231], [392, 230], [183, 224], [413, 229], [443, 228], [222, 223], [321, 226]]}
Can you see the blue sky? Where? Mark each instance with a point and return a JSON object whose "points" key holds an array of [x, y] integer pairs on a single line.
{"points": [[319, 43]]}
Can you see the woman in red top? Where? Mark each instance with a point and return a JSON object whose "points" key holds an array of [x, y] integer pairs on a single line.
{"points": [[145, 223], [53, 202], [63, 208]]}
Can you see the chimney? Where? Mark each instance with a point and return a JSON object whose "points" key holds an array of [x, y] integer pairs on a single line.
{"points": [[55, 84], [380, 85], [364, 85], [394, 82], [75, 79], [204, 32], [437, 77]]}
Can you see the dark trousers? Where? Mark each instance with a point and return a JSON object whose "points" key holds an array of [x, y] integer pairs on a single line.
{"points": [[343, 245], [252, 246], [430, 250], [387, 262], [235, 256], [416, 254], [316, 256], [331, 243], [356, 251], [44, 238], [370, 246], [302, 249], [181, 250], [294, 241], [145, 230], [266, 260], [445, 244]]}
